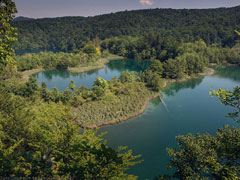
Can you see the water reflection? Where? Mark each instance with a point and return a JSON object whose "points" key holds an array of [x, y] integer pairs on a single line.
{"points": [[60, 78], [192, 110], [130, 65], [173, 88], [188, 109], [155, 102], [228, 72], [49, 75]]}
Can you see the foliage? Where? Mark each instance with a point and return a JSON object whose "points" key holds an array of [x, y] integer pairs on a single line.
{"points": [[229, 98], [69, 33], [157, 67], [232, 55], [38, 136], [89, 49], [49, 60], [113, 101], [174, 69], [42, 140], [172, 59], [7, 37], [128, 77], [148, 46], [206, 156], [152, 79], [121, 101]]}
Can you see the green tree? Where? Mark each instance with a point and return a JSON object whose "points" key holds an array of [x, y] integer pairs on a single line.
{"points": [[41, 140], [174, 68], [207, 156], [157, 82], [99, 88], [31, 86], [89, 49], [157, 67], [231, 99], [7, 35], [101, 82], [127, 77]]}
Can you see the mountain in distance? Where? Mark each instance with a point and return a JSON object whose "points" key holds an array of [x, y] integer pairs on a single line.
{"points": [[22, 18], [67, 33]]}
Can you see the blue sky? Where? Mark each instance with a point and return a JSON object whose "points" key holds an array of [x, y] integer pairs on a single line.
{"points": [[55, 8]]}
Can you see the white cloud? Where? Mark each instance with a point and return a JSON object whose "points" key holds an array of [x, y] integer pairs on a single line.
{"points": [[146, 2]]}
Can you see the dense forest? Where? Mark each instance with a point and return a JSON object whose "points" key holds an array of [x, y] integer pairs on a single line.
{"points": [[39, 138], [69, 33], [47, 60], [41, 131]]}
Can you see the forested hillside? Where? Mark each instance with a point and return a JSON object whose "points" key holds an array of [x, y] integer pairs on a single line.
{"points": [[69, 33], [41, 131]]}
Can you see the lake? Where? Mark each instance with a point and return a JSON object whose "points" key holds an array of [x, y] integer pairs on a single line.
{"points": [[61, 78], [189, 109]]}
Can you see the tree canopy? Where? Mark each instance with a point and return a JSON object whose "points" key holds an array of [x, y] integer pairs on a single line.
{"points": [[42, 139], [69, 33], [7, 35], [205, 156]]}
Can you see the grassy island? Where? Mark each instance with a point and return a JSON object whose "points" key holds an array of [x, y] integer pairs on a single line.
{"points": [[117, 100]]}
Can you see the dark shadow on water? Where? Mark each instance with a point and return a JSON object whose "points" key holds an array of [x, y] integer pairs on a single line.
{"points": [[60, 77], [231, 72], [173, 88], [49, 75], [191, 110], [128, 65], [92, 72], [155, 102]]}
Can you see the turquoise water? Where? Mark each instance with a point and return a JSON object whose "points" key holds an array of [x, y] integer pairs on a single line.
{"points": [[61, 78], [189, 109]]}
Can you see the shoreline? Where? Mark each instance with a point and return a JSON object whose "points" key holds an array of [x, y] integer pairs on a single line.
{"points": [[208, 72], [75, 70], [225, 64], [125, 119], [100, 63], [25, 74]]}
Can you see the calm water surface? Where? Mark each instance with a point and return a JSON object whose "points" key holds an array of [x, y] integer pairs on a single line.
{"points": [[189, 109], [61, 78]]}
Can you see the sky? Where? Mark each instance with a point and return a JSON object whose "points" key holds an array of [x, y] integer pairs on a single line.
{"points": [[56, 8]]}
